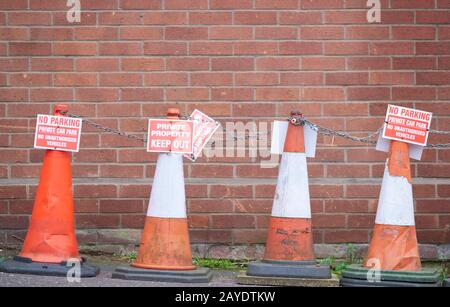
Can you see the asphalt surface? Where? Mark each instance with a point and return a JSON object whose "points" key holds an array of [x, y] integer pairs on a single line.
{"points": [[220, 279]]}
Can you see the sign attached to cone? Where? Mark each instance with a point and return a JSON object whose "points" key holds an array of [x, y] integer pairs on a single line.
{"points": [[58, 133], [51, 245], [393, 253], [407, 125], [204, 129], [168, 135], [165, 251]]}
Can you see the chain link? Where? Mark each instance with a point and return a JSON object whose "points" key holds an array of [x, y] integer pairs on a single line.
{"points": [[295, 120]]}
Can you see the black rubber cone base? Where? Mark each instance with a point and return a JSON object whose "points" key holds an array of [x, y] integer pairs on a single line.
{"points": [[291, 269], [357, 276], [199, 275], [19, 265]]}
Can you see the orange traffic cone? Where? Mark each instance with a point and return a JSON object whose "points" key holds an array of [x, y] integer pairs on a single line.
{"points": [[393, 258], [394, 241], [51, 240], [165, 251], [289, 246]]}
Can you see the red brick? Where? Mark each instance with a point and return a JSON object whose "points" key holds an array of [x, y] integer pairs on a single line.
{"points": [[300, 48], [119, 18], [256, 79], [273, 33], [14, 64], [432, 78], [368, 93], [367, 33], [413, 32], [300, 18], [14, 34], [30, 80], [96, 33], [329, 220], [12, 192], [323, 94], [13, 222], [14, 5], [164, 18], [414, 63], [432, 48], [97, 64], [30, 49], [186, 33], [211, 48], [230, 4], [345, 17], [255, 18], [75, 79], [120, 79], [346, 48], [169, 79], [346, 236], [321, 33], [186, 4], [180, 63], [97, 94], [392, 78], [120, 48], [413, 93], [211, 79], [232, 63], [232, 94], [142, 94], [361, 221], [369, 63], [347, 78], [269, 4], [433, 17], [97, 221], [216, 171], [392, 48], [232, 221], [230, 33], [29, 18], [140, 4], [323, 63], [210, 18], [412, 4], [75, 48], [187, 94], [165, 48], [277, 94], [51, 94]]}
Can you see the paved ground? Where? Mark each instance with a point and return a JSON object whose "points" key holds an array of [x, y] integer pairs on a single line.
{"points": [[220, 279]]}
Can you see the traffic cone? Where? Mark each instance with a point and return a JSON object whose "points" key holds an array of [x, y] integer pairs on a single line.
{"points": [[289, 246], [165, 252], [51, 242], [393, 257]]}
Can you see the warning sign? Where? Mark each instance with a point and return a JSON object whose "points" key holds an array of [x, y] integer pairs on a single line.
{"points": [[168, 135], [407, 125], [58, 133], [204, 129]]}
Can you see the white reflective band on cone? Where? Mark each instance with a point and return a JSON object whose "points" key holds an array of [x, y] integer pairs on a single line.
{"points": [[395, 206], [168, 199], [292, 193]]}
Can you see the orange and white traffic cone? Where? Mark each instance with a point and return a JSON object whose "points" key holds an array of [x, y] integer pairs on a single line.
{"points": [[165, 251], [51, 241], [394, 241], [393, 257], [289, 246]]}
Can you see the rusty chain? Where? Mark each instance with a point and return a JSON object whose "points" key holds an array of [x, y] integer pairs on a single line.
{"points": [[295, 120]]}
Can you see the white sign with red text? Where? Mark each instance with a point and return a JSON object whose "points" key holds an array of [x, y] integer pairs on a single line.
{"points": [[204, 129], [407, 125], [58, 133], [170, 135]]}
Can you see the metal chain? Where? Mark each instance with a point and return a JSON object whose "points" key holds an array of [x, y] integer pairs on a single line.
{"points": [[109, 130], [295, 120]]}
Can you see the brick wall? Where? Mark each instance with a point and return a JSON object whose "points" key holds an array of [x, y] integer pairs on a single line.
{"points": [[237, 60]]}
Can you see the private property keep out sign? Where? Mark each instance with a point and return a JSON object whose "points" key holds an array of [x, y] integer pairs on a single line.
{"points": [[168, 135], [58, 133], [407, 125]]}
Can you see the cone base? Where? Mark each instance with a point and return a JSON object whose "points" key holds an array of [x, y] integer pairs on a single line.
{"points": [[19, 265], [356, 276], [394, 248], [291, 269], [245, 279], [199, 275]]}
